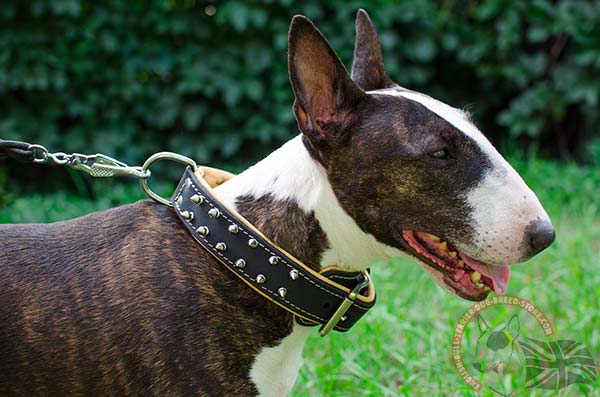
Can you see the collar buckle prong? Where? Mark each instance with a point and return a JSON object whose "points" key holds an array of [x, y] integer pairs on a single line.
{"points": [[336, 317]]}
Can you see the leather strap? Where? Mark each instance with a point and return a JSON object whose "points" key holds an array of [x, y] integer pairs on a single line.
{"points": [[268, 269]]}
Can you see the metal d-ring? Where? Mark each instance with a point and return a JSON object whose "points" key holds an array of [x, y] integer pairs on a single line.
{"points": [[162, 156]]}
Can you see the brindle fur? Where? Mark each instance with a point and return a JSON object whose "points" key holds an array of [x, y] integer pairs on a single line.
{"points": [[124, 302], [292, 226]]}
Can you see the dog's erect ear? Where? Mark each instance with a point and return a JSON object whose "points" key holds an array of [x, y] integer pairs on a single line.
{"points": [[482, 324], [326, 96], [368, 71]]}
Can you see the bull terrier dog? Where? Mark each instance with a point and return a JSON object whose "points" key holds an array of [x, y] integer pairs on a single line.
{"points": [[125, 302]]}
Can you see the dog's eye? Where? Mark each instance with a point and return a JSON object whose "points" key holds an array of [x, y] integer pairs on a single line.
{"points": [[441, 154]]}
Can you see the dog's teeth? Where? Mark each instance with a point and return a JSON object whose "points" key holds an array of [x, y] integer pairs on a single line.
{"points": [[479, 285], [461, 264], [444, 246], [453, 254], [475, 277], [432, 237]]}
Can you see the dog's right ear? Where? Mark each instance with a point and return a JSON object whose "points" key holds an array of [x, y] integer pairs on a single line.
{"points": [[326, 97], [368, 71]]}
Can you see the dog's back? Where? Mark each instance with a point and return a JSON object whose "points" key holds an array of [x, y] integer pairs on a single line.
{"points": [[118, 302]]}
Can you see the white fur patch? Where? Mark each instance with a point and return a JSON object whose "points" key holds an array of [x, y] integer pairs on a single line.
{"points": [[275, 369], [289, 173], [503, 209]]}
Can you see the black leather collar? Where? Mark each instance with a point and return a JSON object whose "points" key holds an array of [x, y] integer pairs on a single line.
{"points": [[335, 299]]}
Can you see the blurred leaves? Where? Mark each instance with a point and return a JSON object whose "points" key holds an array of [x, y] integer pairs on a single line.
{"points": [[209, 79]]}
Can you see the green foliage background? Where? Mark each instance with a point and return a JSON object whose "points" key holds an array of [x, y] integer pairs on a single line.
{"points": [[131, 78], [209, 80]]}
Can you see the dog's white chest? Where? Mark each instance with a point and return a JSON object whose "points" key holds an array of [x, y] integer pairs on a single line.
{"points": [[275, 369]]}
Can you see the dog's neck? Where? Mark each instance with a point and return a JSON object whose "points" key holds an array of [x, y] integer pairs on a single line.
{"points": [[289, 198]]}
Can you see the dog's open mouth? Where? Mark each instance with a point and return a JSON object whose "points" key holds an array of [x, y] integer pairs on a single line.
{"points": [[468, 277]]}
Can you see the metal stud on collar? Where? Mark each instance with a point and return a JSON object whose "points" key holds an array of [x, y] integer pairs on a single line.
{"points": [[233, 229], [189, 215], [294, 274], [197, 199], [214, 213], [203, 231], [282, 292], [274, 260], [240, 263], [221, 246], [252, 243], [260, 279]]}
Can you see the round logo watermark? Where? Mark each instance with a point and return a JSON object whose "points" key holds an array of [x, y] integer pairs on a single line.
{"points": [[501, 347]]}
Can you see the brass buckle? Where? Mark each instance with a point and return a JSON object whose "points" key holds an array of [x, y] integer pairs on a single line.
{"points": [[337, 316]]}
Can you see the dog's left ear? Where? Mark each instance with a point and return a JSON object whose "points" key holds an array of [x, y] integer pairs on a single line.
{"points": [[368, 71]]}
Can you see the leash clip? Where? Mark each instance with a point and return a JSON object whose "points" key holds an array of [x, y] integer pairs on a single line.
{"points": [[97, 165], [337, 316], [102, 166]]}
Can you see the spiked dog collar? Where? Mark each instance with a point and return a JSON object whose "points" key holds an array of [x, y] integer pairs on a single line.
{"points": [[333, 298]]}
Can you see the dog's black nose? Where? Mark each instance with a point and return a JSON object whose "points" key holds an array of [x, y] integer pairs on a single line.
{"points": [[541, 235]]}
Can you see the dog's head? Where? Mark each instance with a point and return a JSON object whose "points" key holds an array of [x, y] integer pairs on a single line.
{"points": [[496, 346], [410, 170]]}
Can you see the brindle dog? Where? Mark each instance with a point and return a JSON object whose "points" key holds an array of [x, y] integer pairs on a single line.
{"points": [[124, 302]]}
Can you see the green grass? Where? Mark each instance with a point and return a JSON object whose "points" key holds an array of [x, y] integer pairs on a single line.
{"points": [[402, 348]]}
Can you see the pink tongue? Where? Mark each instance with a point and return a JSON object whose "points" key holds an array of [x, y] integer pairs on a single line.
{"points": [[498, 274]]}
